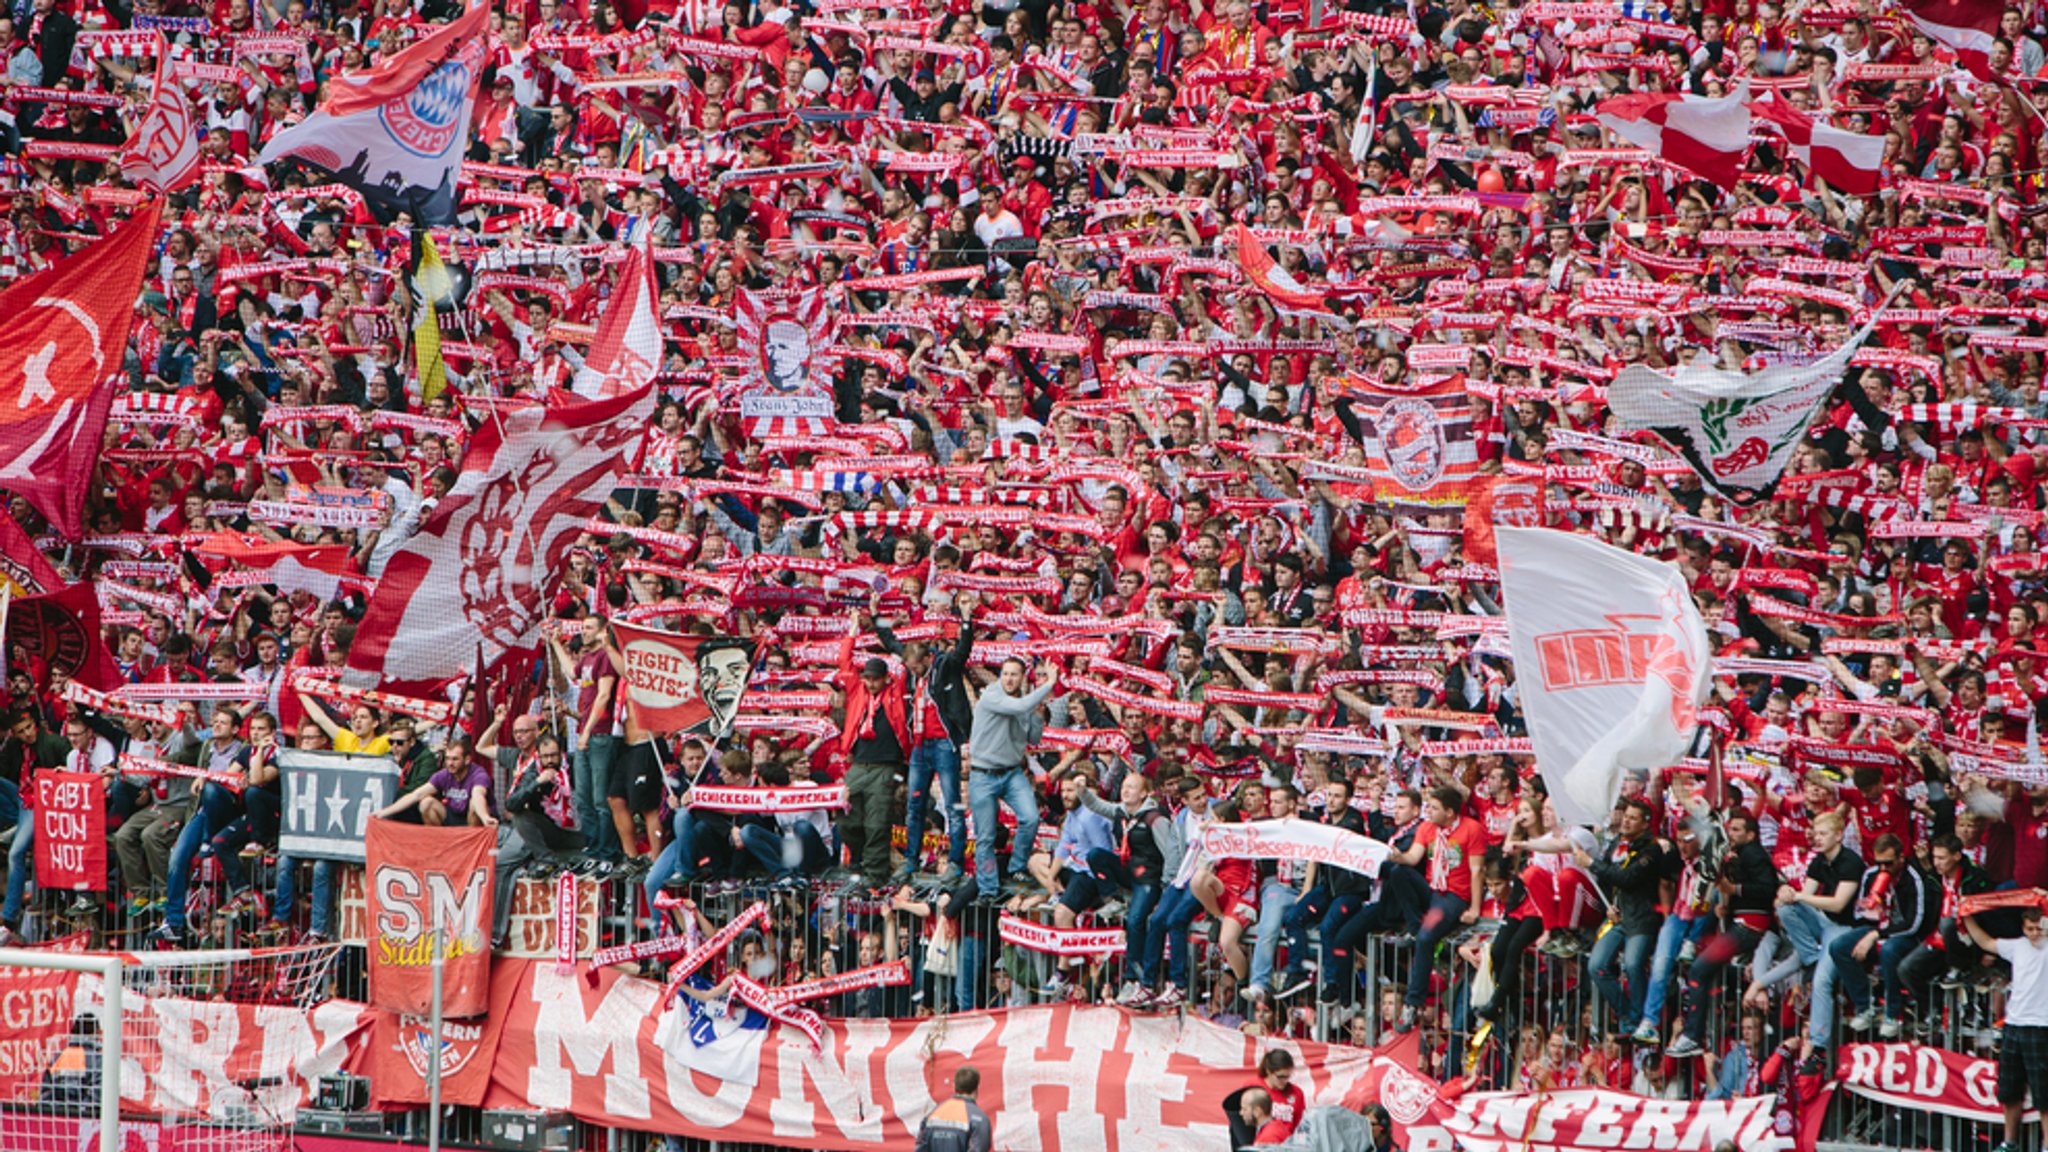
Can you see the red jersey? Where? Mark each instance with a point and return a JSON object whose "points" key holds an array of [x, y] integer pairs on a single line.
{"points": [[1451, 853]]}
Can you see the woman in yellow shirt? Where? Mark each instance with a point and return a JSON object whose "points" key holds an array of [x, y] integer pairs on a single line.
{"points": [[361, 735]]}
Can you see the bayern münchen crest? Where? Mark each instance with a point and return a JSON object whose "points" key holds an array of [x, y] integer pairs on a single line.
{"points": [[426, 120]]}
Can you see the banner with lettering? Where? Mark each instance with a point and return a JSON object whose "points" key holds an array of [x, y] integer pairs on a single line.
{"points": [[328, 800], [425, 880], [1064, 1077], [71, 832], [35, 1021], [683, 684], [1433, 1117], [1923, 1078]]}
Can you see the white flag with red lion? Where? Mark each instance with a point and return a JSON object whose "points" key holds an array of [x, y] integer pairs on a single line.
{"points": [[1611, 661], [479, 569]]}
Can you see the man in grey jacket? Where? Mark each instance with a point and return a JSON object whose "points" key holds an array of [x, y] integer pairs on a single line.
{"points": [[1006, 722]]}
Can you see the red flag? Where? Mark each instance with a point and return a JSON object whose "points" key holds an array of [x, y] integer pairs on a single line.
{"points": [[289, 565], [71, 831], [480, 566], [1849, 161], [627, 350], [689, 684], [1707, 136], [1970, 27], [22, 564], [163, 155], [421, 879], [1270, 278], [62, 336], [63, 629], [1516, 501]]}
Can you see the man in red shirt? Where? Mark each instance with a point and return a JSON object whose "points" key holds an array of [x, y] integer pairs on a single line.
{"points": [[1456, 845]]}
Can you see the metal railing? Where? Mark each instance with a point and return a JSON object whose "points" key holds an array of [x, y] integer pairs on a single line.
{"points": [[821, 920]]}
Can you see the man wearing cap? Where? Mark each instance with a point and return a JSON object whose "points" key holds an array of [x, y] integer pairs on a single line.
{"points": [[875, 737]]}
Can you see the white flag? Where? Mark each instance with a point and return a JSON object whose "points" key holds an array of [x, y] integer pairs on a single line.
{"points": [[1611, 661], [626, 354], [1736, 429], [163, 155]]}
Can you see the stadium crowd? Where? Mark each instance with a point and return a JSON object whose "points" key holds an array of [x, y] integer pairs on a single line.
{"points": [[1171, 594]]}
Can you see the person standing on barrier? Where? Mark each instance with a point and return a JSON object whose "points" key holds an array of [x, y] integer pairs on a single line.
{"points": [[1812, 915], [2023, 1040], [1749, 886], [941, 719], [959, 1124], [1630, 873], [1006, 724], [590, 669], [1167, 934], [875, 736]]}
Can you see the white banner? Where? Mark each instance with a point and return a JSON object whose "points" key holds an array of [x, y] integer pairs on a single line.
{"points": [[1611, 659], [1303, 840]]}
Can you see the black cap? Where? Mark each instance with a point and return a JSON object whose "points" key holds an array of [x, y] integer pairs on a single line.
{"points": [[876, 667]]}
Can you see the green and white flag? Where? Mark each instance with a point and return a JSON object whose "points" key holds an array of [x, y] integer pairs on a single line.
{"points": [[1736, 429]]}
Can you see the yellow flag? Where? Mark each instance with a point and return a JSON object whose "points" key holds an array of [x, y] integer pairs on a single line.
{"points": [[430, 283]]}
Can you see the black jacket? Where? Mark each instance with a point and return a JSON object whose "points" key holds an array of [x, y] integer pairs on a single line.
{"points": [[1755, 879], [1631, 883], [1914, 906], [945, 681]]}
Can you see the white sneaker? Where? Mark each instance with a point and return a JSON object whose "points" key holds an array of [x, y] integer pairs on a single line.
{"points": [[1129, 993], [1862, 1021], [1168, 999], [1890, 1029]]}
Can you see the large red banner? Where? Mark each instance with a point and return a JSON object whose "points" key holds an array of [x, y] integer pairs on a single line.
{"points": [[1063, 1077], [422, 880], [71, 832], [35, 1019], [1923, 1078], [1433, 1117]]}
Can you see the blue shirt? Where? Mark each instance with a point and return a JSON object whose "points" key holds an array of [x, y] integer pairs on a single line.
{"points": [[1082, 834]]}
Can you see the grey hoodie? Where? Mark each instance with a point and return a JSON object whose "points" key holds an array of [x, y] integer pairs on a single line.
{"points": [[1004, 727], [1166, 831]]}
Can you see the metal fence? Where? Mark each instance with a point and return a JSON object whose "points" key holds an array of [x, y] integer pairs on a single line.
{"points": [[821, 927]]}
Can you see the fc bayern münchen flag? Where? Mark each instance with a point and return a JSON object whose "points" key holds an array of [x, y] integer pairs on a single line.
{"points": [[396, 132]]}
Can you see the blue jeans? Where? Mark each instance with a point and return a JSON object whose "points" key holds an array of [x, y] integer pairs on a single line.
{"points": [[1671, 939], [936, 759], [1633, 954], [17, 867], [10, 803], [1138, 933], [1810, 930], [768, 847], [1856, 982], [968, 983], [217, 809], [1012, 786], [1276, 901], [1445, 916], [591, 772], [286, 897], [675, 859], [1169, 933]]}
